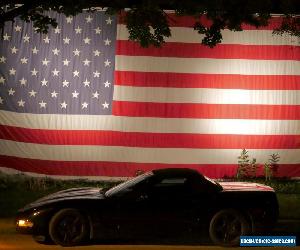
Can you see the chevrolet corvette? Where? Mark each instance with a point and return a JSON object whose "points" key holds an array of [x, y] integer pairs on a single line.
{"points": [[165, 203]]}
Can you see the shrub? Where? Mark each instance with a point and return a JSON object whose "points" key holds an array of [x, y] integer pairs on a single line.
{"points": [[246, 168]]}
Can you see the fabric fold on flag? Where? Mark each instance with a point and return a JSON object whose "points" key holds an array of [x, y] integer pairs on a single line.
{"points": [[82, 100]]}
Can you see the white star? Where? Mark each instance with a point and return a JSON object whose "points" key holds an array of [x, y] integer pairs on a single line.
{"points": [[86, 83], [63, 105], [88, 19], [76, 52], [54, 94], [55, 51], [44, 82], [106, 84], [11, 91], [55, 72], [17, 28], [32, 93], [65, 83], [34, 72], [42, 104], [107, 63], [105, 105], [107, 42], [2, 59], [2, 79], [109, 20], [26, 38], [86, 62], [45, 62], [1, 100], [75, 94], [57, 30], [21, 103], [24, 60], [6, 37], [35, 50], [14, 50], [66, 40], [87, 40], [84, 105], [23, 81], [78, 30], [69, 19], [95, 95], [46, 39], [12, 71], [97, 30], [76, 73], [96, 74], [96, 53], [66, 62]]}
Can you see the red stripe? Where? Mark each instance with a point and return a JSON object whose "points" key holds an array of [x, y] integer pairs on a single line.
{"points": [[206, 111], [149, 140], [118, 169], [189, 21], [182, 80], [197, 50]]}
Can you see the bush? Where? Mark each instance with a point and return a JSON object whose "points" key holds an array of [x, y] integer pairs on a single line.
{"points": [[19, 190]]}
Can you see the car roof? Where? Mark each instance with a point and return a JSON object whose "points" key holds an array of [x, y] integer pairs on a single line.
{"points": [[176, 172]]}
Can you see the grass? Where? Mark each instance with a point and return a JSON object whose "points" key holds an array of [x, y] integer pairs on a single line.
{"points": [[18, 190], [289, 206]]}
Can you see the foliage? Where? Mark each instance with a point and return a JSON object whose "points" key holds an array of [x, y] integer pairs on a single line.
{"points": [[18, 190], [246, 168], [271, 167], [148, 23], [47, 184]]}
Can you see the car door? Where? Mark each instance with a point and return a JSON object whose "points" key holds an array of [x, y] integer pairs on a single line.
{"points": [[131, 213], [164, 208], [174, 203]]}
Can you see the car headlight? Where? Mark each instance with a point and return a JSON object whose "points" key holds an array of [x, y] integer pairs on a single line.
{"points": [[24, 223]]}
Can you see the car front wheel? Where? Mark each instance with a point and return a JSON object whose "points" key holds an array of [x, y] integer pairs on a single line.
{"points": [[68, 227], [227, 226]]}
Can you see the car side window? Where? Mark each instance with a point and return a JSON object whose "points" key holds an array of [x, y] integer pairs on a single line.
{"points": [[169, 182], [170, 188]]}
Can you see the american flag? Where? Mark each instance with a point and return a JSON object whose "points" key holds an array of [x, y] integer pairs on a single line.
{"points": [[84, 101]]}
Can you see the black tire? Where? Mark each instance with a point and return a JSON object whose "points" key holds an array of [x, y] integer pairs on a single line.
{"points": [[42, 239], [227, 226], [68, 227]]}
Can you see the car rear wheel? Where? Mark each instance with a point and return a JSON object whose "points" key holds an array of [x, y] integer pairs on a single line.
{"points": [[68, 227], [227, 226], [42, 239]]}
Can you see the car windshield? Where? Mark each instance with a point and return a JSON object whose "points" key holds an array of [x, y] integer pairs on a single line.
{"points": [[127, 184], [212, 181]]}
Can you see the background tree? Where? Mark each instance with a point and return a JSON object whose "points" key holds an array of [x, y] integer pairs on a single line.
{"points": [[148, 23]]}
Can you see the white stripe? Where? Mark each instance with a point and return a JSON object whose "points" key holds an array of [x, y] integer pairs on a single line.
{"points": [[11, 171], [151, 125], [139, 155], [246, 37], [209, 96], [207, 65]]}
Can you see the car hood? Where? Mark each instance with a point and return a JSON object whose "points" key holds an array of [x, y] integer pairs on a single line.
{"points": [[68, 194], [244, 186]]}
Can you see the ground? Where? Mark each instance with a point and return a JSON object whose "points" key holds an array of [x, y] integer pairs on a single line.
{"points": [[10, 240]]}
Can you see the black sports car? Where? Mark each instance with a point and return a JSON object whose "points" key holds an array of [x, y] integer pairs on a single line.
{"points": [[158, 204]]}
